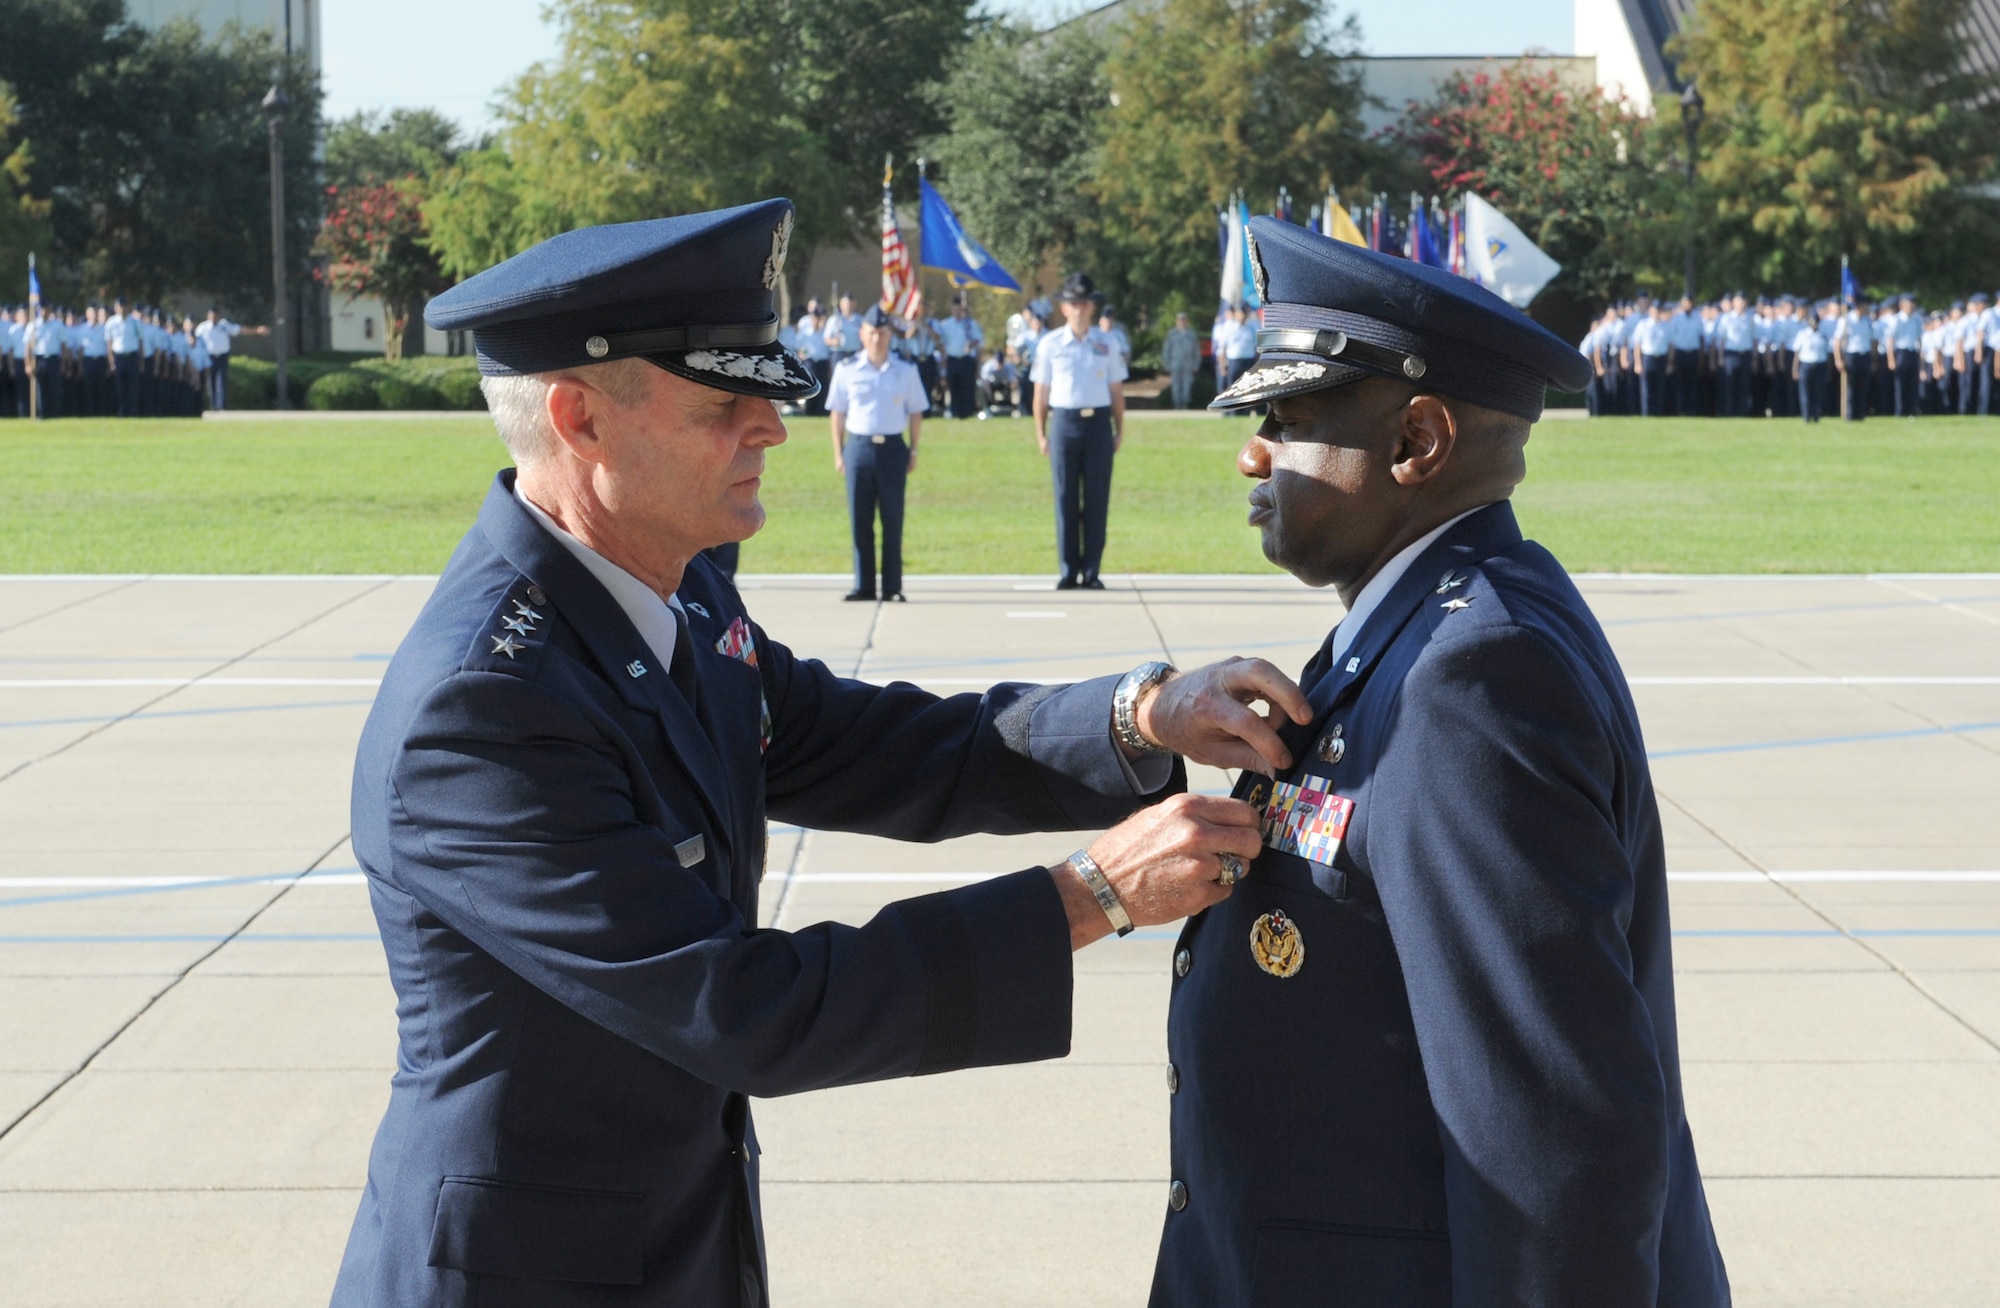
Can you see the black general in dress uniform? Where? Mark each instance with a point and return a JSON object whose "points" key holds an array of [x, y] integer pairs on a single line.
{"points": [[560, 802], [1425, 1054]]}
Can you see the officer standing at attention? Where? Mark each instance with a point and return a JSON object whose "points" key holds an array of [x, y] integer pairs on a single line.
{"points": [[1425, 1055], [877, 397], [1810, 352], [1180, 355], [122, 336], [1736, 333], [560, 803], [1079, 380], [962, 337], [1854, 356], [51, 345]]}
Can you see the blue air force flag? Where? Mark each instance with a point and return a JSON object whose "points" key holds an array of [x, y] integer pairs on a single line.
{"points": [[948, 249], [1500, 258]]}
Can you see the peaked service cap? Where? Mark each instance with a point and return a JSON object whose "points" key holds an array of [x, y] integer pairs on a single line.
{"points": [[1335, 313], [695, 295]]}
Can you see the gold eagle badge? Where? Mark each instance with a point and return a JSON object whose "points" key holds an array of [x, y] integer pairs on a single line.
{"points": [[1276, 944]]}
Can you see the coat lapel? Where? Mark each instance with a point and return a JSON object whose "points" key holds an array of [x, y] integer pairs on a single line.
{"points": [[612, 640]]}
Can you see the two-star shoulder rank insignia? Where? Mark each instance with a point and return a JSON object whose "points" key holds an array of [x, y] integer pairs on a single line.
{"points": [[522, 623]]}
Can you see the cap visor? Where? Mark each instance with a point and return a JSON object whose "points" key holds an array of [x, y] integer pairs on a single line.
{"points": [[1275, 375], [771, 371]]}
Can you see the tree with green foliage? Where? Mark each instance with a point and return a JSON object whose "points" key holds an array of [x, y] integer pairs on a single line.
{"points": [[24, 220], [1023, 113], [369, 149], [658, 107], [1207, 98], [1573, 169], [151, 147], [1837, 127]]}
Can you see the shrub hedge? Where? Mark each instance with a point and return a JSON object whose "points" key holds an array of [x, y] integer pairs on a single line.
{"points": [[423, 382]]}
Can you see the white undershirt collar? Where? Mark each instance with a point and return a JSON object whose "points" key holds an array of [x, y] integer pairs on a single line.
{"points": [[1382, 583], [651, 615]]}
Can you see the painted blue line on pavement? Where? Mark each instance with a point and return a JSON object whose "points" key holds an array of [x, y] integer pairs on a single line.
{"points": [[185, 713], [1810, 741], [172, 938], [120, 892]]}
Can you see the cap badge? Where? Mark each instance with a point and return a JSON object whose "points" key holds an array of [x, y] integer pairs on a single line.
{"points": [[597, 347], [1414, 368], [1276, 944], [1258, 277], [781, 240]]}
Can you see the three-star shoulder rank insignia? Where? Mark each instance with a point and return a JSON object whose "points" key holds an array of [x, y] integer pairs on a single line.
{"points": [[1450, 581], [1454, 606], [507, 645]]}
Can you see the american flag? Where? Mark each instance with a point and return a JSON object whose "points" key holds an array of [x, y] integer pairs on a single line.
{"points": [[899, 279]]}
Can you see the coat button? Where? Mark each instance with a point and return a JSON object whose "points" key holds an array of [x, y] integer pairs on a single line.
{"points": [[1177, 1196], [1173, 1079], [1182, 962]]}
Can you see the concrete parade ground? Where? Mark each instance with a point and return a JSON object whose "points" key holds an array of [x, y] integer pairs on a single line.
{"points": [[197, 1032]]}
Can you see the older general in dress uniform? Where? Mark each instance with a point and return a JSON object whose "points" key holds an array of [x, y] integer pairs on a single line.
{"points": [[1079, 377], [560, 802], [1425, 1055]]}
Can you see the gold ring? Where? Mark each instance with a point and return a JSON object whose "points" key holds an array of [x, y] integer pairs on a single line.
{"points": [[1232, 870]]}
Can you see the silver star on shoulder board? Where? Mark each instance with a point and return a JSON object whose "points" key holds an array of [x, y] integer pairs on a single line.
{"points": [[522, 610], [1453, 606], [1449, 581], [507, 645], [521, 625]]}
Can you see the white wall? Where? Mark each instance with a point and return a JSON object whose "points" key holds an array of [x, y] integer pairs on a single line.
{"points": [[357, 329], [1601, 30]]}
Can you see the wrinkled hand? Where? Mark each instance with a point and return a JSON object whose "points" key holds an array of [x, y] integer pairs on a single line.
{"points": [[1163, 863], [1205, 716]]}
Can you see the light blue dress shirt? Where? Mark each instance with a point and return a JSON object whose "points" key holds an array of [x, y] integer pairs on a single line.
{"points": [[877, 401]]}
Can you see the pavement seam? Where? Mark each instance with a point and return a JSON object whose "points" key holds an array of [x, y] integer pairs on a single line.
{"points": [[167, 989], [1147, 608], [1941, 603], [64, 608], [230, 662], [1791, 889], [798, 859]]}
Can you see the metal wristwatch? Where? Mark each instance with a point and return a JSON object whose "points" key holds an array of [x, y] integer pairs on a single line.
{"points": [[1107, 898], [1125, 706]]}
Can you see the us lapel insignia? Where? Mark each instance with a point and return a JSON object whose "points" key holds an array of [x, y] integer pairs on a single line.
{"points": [[1277, 946]]}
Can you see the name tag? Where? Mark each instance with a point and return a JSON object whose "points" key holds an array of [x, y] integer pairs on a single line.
{"points": [[691, 851], [1306, 819]]}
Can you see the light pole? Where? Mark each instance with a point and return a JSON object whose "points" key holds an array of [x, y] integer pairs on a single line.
{"points": [[1691, 111], [274, 117]]}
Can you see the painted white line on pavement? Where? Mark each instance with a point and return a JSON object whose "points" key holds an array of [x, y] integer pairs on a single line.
{"points": [[1864, 877], [119, 883], [1036, 613], [1814, 681]]}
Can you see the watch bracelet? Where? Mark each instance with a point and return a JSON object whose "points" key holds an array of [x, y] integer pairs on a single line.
{"points": [[1100, 886], [1125, 707]]}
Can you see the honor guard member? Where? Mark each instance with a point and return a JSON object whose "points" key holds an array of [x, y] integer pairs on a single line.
{"points": [[963, 338], [1425, 1055], [876, 410], [1079, 379], [561, 794]]}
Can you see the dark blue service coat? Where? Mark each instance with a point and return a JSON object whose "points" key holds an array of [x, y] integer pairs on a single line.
{"points": [[1469, 1092], [564, 856]]}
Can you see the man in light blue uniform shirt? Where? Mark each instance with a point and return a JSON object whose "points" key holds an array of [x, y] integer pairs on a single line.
{"points": [[1906, 356], [962, 339], [217, 333], [876, 398], [1989, 361], [843, 330], [122, 337], [50, 342], [1079, 379], [13, 383], [1854, 355], [1810, 351], [1653, 347], [1736, 333], [1684, 338], [95, 366], [816, 354]]}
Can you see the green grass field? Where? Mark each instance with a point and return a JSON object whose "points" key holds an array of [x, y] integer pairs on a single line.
{"points": [[333, 495]]}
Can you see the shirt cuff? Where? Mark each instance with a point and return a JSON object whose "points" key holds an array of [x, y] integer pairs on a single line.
{"points": [[1148, 774]]}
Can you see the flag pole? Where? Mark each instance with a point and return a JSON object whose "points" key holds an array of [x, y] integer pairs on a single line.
{"points": [[28, 346]]}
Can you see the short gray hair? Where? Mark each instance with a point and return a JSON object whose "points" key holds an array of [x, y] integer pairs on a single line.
{"points": [[520, 405]]}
